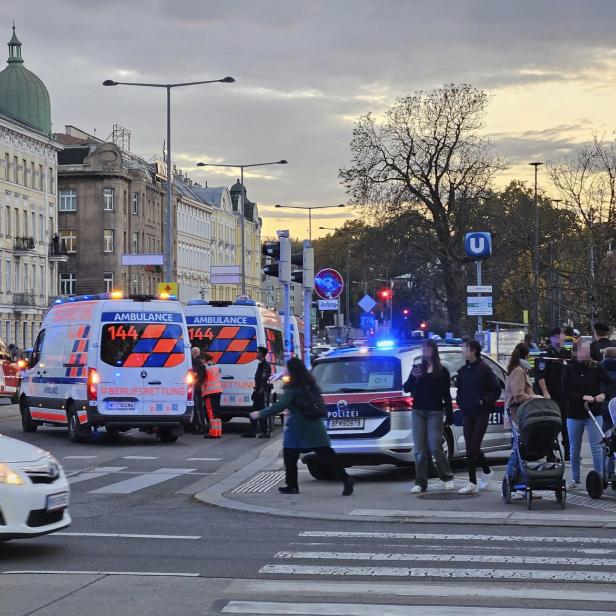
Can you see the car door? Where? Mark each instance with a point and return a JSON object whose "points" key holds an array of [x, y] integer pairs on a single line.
{"points": [[496, 436]]}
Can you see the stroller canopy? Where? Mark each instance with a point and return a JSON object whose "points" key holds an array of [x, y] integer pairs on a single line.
{"points": [[539, 423]]}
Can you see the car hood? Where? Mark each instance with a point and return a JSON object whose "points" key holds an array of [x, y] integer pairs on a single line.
{"points": [[12, 450]]}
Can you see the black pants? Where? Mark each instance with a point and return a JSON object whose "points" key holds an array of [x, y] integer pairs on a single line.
{"points": [[475, 427], [212, 406], [198, 420], [326, 455], [259, 402]]}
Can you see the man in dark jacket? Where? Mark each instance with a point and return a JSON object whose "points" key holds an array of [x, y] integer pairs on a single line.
{"points": [[601, 341], [260, 395], [197, 424]]}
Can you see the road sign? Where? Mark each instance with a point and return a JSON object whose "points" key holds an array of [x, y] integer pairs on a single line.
{"points": [[328, 304], [478, 244], [479, 306], [366, 303], [479, 288], [367, 321], [328, 283], [171, 288], [225, 274]]}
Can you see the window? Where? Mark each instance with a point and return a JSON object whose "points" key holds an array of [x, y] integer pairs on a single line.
{"points": [[41, 178], [51, 183], [15, 169], [24, 326], [33, 227], [8, 221], [108, 199], [135, 244], [135, 284], [33, 329], [70, 237], [67, 284], [37, 349], [26, 278], [108, 240], [7, 164], [68, 200], [108, 280], [358, 374], [41, 227], [135, 203], [32, 175], [24, 171], [17, 287], [34, 287], [7, 331], [7, 273]]}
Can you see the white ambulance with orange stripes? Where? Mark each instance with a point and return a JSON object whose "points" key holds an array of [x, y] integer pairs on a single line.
{"points": [[231, 332], [104, 361]]}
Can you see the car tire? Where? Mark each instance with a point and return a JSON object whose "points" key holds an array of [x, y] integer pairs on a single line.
{"points": [[77, 433], [27, 423], [319, 471], [167, 435]]}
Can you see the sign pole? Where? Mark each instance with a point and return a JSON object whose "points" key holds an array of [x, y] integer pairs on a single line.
{"points": [[479, 318], [308, 282]]}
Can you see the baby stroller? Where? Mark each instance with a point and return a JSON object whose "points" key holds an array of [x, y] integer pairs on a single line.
{"points": [[535, 441], [595, 483]]}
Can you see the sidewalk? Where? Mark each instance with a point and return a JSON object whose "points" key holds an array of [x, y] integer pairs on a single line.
{"points": [[382, 494]]}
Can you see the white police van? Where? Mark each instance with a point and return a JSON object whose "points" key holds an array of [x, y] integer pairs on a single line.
{"points": [[231, 332], [100, 360]]}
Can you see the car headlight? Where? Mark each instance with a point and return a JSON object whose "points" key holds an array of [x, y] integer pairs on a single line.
{"points": [[9, 476]]}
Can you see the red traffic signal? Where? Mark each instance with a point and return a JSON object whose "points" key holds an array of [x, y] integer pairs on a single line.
{"points": [[423, 326], [406, 312], [385, 294]]}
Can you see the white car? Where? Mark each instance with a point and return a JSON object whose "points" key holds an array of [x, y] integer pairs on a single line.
{"points": [[34, 491]]}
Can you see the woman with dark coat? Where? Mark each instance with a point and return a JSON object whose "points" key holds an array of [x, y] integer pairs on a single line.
{"points": [[303, 433]]}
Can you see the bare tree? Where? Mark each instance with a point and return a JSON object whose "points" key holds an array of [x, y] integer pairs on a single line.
{"points": [[426, 156]]}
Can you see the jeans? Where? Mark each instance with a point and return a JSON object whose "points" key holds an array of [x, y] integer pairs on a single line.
{"points": [[475, 427], [428, 439], [513, 466], [575, 427], [326, 455]]}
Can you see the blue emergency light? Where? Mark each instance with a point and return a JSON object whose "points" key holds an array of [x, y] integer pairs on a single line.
{"points": [[385, 344]]}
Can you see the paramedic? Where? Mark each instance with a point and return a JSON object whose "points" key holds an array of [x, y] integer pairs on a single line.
{"points": [[212, 389]]}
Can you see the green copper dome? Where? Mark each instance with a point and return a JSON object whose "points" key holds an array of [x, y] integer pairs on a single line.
{"points": [[23, 96]]}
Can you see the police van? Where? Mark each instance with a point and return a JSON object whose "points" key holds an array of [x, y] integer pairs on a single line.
{"points": [[100, 360], [231, 332]]}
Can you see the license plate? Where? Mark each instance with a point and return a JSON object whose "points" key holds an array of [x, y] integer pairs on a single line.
{"points": [[57, 501], [345, 424], [120, 405]]}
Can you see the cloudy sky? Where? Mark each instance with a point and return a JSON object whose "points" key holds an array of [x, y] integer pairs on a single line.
{"points": [[306, 68]]}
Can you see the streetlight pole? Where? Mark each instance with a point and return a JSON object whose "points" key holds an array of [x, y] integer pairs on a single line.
{"points": [[169, 226], [555, 262], [536, 165], [241, 207], [309, 208]]}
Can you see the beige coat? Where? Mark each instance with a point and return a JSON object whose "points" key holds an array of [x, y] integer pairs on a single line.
{"points": [[518, 389]]}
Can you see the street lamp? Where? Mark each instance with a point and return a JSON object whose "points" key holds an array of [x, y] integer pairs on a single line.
{"points": [[309, 208], [536, 165], [168, 87], [241, 207]]}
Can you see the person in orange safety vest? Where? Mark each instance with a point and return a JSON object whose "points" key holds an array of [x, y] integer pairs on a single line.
{"points": [[211, 391]]}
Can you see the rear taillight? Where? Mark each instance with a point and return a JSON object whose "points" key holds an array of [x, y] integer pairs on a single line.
{"points": [[392, 405], [190, 381], [93, 381]]}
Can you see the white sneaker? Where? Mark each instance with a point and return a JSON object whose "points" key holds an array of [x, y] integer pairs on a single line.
{"points": [[518, 495], [574, 485], [469, 488], [417, 489], [448, 485], [484, 482]]}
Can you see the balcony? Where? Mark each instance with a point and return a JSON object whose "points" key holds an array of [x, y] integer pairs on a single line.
{"points": [[23, 299], [57, 251], [23, 246]]}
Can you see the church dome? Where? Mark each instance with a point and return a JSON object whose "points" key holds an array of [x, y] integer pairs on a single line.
{"points": [[23, 96]]}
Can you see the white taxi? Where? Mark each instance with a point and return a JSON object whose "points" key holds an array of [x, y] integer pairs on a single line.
{"points": [[369, 415], [34, 491]]}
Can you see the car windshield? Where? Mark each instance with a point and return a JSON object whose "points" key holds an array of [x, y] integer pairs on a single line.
{"points": [[358, 374]]}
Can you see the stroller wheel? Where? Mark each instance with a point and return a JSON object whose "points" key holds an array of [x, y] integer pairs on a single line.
{"points": [[594, 484], [613, 485], [561, 497], [529, 499], [506, 490]]}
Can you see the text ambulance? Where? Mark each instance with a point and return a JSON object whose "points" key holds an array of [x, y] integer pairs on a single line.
{"points": [[231, 333], [117, 363]]}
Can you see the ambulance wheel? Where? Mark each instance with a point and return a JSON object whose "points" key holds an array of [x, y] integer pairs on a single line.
{"points": [[561, 497], [320, 471], [167, 435], [594, 484], [27, 423], [77, 433], [506, 490]]}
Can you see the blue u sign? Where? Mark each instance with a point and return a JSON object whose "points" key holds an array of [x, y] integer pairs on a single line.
{"points": [[478, 244]]}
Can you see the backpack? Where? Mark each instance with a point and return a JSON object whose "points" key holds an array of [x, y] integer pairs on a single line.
{"points": [[310, 403]]}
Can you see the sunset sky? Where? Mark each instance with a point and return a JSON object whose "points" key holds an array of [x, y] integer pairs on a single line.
{"points": [[306, 69]]}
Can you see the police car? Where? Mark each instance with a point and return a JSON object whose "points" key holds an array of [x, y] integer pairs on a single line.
{"points": [[105, 361], [369, 416]]}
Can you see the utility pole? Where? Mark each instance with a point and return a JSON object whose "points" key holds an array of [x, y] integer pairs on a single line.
{"points": [[284, 276], [308, 284], [536, 165]]}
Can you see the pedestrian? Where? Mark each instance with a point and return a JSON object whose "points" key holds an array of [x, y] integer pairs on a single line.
{"points": [[609, 363], [260, 395], [197, 424], [583, 380], [211, 390], [429, 383], [548, 377], [304, 428], [601, 341], [478, 391]]}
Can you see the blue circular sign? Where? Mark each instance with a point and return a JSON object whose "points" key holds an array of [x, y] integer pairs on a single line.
{"points": [[328, 283]]}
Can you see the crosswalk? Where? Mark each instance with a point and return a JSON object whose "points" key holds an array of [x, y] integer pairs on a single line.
{"points": [[359, 573]]}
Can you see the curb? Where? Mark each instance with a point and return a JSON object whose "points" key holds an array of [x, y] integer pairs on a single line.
{"points": [[214, 496]]}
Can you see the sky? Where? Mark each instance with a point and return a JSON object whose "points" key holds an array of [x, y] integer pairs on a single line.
{"points": [[306, 69]]}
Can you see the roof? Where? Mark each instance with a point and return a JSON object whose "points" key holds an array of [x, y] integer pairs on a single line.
{"points": [[213, 196]]}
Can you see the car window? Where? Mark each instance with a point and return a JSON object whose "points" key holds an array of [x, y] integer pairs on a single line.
{"points": [[357, 374], [498, 371], [452, 360], [38, 347]]}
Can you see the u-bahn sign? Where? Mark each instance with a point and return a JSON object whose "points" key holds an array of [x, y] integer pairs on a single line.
{"points": [[328, 283]]}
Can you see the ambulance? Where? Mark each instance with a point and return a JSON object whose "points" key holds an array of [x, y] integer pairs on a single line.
{"points": [[231, 332], [104, 361], [9, 375], [297, 336]]}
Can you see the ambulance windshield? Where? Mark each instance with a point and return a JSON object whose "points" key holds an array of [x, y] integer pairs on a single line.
{"points": [[142, 345]]}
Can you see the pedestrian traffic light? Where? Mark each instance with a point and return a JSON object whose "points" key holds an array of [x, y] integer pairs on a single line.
{"points": [[271, 270], [297, 276]]}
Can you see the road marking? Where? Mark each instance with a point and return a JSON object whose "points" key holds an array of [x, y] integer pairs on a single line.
{"points": [[140, 457], [533, 575], [203, 459], [362, 609], [262, 482], [444, 537], [95, 474], [79, 457], [129, 536], [452, 558], [143, 481], [138, 573], [314, 588]]}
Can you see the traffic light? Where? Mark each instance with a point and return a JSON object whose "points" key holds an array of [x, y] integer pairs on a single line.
{"points": [[385, 294], [405, 313], [272, 250], [423, 326], [271, 270], [297, 276]]}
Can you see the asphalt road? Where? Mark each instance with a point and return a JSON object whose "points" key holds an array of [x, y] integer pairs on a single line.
{"points": [[140, 544]]}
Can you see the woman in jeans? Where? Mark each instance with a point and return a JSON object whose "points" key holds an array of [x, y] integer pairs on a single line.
{"points": [[584, 381], [429, 385], [303, 434]]}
